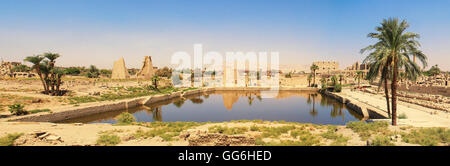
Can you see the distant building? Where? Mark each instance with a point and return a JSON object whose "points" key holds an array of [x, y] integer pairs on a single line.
{"points": [[357, 66], [326, 67]]}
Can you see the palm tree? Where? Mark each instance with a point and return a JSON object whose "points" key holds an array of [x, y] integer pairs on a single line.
{"points": [[400, 46], [309, 80], [358, 77], [36, 61], [21, 68], [378, 61], [323, 81], [313, 70], [58, 72], [52, 57], [51, 77], [341, 77], [334, 80]]}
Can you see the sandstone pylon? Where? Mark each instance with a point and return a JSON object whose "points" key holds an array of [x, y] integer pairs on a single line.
{"points": [[120, 70], [147, 70]]}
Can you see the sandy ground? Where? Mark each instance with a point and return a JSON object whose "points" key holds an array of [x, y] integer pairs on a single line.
{"points": [[87, 134]]}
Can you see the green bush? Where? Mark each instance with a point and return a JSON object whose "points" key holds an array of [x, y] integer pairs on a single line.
{"points": [[17, 109], [72, 70], [108, 140], [338, 88], [125, 118]]}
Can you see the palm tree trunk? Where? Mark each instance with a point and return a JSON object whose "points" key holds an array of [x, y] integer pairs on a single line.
{"points": [[314, 80], [386, 93], [394, 94], [359, 81], [38, 71], [52, 85], [58, 84]]}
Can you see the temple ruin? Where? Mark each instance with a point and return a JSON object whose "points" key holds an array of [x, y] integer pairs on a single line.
{"points": [[120, 70], [326, 66], [6, 70], [147, 70]]}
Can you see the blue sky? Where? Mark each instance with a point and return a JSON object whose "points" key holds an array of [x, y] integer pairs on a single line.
{"points": [[99, 31]]}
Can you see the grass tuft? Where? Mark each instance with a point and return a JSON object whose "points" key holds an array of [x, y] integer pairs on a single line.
{"points": [[108, 140], [381, 141], [365, 130], [427, 136], [339, 139], [9, 139]]}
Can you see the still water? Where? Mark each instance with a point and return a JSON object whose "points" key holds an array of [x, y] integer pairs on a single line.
{"points": [[291, 106]]}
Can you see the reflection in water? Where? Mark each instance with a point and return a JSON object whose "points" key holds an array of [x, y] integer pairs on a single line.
{"points": [[157, 114], [179, 103], [197, 100], [307, 107]]}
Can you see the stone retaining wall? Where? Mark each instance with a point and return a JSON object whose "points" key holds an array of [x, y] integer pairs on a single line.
{"points": [[361, 108]]}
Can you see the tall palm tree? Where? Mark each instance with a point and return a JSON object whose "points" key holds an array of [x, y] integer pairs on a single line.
{"points": [[36, 61], [51, 64], [400, 46], [313, 70], [379, 61]]}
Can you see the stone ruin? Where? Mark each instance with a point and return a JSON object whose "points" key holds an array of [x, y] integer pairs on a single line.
{"points": [[6, 71], [5, 68], [120, 71], [147, 70]]}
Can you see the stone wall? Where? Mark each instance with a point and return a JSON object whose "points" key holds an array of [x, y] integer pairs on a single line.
{"points": [[326, 66], [361, 108], [439, 90]]}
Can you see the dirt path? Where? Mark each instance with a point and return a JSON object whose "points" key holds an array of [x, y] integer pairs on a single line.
{"points": [[417, 116]]}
